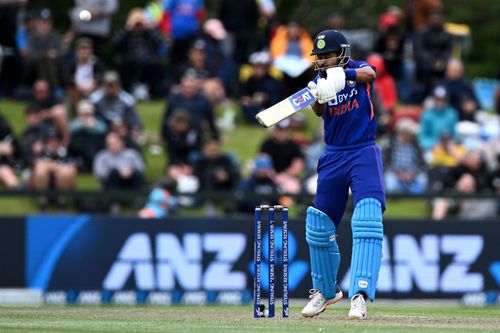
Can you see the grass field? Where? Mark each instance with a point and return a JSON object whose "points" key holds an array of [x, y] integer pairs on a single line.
{"points": [[386, 317]]}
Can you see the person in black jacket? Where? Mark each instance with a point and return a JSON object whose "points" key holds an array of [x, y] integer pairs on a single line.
{"points": [[10, 154]]}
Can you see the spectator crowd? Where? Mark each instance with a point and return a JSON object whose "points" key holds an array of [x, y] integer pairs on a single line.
{"points": [[81, 87]]}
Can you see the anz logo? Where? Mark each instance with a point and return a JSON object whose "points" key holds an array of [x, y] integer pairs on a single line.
{"points": [[297, 269], [167, 261]]}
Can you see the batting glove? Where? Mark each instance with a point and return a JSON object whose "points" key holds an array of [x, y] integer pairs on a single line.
{"points": [[325, 91], [336, 77]]}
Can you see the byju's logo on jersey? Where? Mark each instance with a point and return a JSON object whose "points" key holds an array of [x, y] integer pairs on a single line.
{"points": [[301, 99]]}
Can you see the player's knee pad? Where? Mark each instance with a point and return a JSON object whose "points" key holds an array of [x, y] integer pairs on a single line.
{"points": [[367, 234], [324, 251]]}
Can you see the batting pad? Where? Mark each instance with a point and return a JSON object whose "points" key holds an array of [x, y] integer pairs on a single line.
{"points": [[367, 236], [324, 252]]}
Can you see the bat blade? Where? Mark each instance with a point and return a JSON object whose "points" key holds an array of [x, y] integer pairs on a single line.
{"points": [[284, 109]]}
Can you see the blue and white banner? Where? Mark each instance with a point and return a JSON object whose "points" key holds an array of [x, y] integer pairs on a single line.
{"points": [[89, 259]]}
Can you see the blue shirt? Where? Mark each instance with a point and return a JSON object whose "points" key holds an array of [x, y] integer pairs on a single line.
{"points": [[349, 118]]}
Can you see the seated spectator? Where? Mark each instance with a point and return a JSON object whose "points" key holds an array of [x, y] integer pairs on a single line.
{"points": [[384, 83], [445, 155], [10, 155], [447, 152], [261, 90], [44, 50], [433, 47], [404, 165], [215, 169], [468, 109], [113, 104], [287, 157], [491, 153], [160, 203], [87, 135], [118, 167], [457, 87], [191, 98], [290, 47], [85, 72], [261, 182], [32, 138], [390, 44], [218, 54], [471, 176], [138, 56], [437, 120], [181, 22], [54, 168], [50, 108], [183, 142], [197, 64]]}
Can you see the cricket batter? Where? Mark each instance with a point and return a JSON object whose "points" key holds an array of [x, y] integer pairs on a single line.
{"points": [[351, 160]]}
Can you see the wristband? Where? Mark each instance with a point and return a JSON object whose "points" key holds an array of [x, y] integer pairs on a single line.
{"points": [[350, 74]]}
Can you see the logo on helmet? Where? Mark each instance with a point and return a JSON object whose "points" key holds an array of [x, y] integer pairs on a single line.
{"points": [[321, 44]]}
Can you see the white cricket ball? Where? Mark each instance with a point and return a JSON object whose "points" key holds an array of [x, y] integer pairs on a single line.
{"points": [[85, 15]]}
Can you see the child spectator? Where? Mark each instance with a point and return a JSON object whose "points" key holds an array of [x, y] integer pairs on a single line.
{"points": [[54, 168], [87, 135]]}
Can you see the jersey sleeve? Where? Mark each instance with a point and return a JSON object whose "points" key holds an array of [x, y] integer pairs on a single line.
{"points": [[357, 64]]}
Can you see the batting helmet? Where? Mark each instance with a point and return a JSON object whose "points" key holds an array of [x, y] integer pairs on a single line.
{"points": [[332, 41]]}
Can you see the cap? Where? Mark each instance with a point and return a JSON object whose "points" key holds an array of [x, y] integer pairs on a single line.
{"points": [[44, 14], [199, 44], [440, 92], [261, 57], [84, 42], [111, 77], [263, 162], [407, 125], [84, 107]]}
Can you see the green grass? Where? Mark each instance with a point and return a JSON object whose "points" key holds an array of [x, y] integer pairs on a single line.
{"points": [[243, 142], [382, 319]]}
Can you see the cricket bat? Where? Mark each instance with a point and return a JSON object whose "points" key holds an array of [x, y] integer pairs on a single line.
{"points": [[284, 109]]}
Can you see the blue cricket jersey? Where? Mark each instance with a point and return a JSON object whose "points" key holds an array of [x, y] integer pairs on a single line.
{"points": [[349, 119]]}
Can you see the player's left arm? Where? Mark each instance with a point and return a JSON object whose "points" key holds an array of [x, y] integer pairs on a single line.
{"points": [[365, 74]]}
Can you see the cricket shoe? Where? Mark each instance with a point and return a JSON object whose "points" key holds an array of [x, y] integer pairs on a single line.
{"points": [[358, 308], [318, 303]]}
